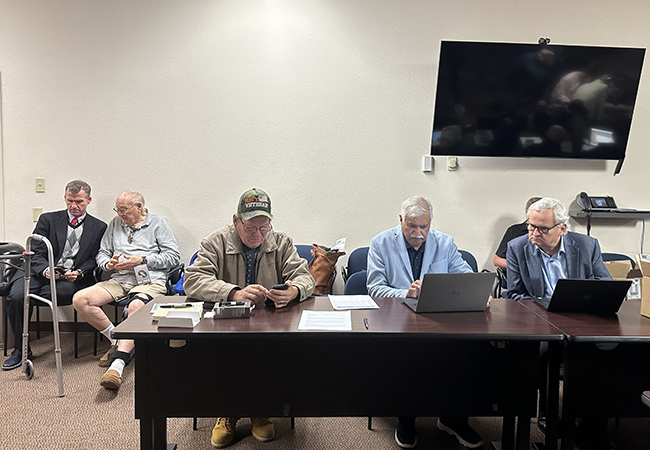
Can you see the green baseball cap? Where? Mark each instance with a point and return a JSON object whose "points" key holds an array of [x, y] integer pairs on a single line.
{"points": [[254, 202]]}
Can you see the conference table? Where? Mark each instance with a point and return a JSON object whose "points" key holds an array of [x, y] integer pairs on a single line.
{"points": [[606, 366], [402, 364]]}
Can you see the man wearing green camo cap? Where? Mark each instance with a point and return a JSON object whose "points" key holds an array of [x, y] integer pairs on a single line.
{"points": [[242, 262]]}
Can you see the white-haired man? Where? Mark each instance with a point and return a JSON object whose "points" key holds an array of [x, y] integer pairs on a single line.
{"points": [[397, 260], [140, 249], [549, 252], [535, 262]]}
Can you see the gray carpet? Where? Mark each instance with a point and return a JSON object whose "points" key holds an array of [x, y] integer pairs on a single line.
{"points": [[90, 417]]}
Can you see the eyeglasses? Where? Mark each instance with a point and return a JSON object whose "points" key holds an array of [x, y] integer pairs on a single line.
{"points": [[123, 210], [252, 230], [542, 230]]}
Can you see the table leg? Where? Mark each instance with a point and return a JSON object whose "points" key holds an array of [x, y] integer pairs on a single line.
{"points": [[552, 395]]}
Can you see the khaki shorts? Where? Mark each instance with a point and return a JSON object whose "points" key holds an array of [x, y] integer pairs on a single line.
{"points": [[120, 290]]}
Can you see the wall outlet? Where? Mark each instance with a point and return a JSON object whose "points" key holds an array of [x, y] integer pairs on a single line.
{"points": [[452, 163], [37, 213], [40, 185]]}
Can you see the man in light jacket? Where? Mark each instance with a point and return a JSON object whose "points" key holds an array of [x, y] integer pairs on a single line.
{"points": [[397, 260], [242, 262]]}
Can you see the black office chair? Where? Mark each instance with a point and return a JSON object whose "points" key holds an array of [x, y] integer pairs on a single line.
{"points": [[469, 258], [618, 257], [357, 261], [11, 257], [304, 251], [356, 284], [173, 276]]}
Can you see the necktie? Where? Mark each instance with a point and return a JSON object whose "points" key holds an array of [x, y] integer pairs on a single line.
{"points": [[74, 221]]}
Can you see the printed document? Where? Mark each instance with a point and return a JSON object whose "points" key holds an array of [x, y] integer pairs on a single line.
{"points": [[326, 320], [342, 302]]}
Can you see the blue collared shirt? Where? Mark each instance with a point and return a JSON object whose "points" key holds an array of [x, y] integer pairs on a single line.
{"points": [[415, 257], [553, 268]]}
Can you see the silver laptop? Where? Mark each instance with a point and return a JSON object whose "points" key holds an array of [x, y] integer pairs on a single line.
{"points": [[453, 292]]}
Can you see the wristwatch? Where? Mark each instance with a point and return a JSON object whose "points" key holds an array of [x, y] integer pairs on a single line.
{"points": [[144, 260]]}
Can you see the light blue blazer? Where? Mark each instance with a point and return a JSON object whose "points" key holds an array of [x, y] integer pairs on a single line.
{"points": [[389, 267]]}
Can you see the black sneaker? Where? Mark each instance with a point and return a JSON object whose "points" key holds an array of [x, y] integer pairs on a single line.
{"points": [[458, 426], [405, 435], [14, 361]]}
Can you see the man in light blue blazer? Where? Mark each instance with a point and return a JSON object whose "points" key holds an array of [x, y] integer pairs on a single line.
{"points": [[549, 252], [535, 262], [397, 260]]}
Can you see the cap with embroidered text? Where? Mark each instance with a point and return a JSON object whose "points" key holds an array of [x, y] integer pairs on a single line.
{"points": [[254, 202]]}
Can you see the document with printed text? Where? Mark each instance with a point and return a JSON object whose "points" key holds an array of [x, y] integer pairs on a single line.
{"points": [[343, 302], [326, 320]]}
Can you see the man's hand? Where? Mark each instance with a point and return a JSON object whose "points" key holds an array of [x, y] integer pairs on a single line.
{"points": [[414, 290], [252, 293], [47, 274], [281, 298], [123, 262], [71, 275]]}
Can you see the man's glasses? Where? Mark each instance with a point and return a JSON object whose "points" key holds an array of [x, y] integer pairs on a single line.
{"points": [[123, 210], [252, 230], [542, 230]]}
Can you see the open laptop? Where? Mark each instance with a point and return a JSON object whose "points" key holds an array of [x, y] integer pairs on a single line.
{"points": [[453, 292], [586, 296]]}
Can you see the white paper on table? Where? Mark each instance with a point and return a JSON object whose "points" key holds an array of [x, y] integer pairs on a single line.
{"points": [[343, 302], [326, 320]]}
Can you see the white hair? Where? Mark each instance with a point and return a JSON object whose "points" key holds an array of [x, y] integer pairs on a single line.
{"points": [[416, 206], [560, 212]]}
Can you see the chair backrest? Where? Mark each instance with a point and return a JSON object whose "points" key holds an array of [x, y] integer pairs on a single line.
{"points": [[618, 257], [356, 284], [357, 261], [304, 251], [176, 277], [469, 258]]}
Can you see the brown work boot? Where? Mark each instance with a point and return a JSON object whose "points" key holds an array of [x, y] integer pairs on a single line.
{"points": [[223, 432], [111, 380], [262, 428], [104, 361]]}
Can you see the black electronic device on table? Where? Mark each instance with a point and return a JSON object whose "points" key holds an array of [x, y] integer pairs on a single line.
{"points": [[602, 297]]}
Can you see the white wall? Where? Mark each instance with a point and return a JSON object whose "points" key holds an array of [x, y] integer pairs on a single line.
{"points": [[327, 105]]}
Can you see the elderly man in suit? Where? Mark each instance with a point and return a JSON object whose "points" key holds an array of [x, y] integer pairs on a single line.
{"points": [[549, 252], [397, 260], [75, 236], [535, 262]]}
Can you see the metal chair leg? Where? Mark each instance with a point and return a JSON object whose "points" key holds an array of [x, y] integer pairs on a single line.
{"points": [[76, 336]]}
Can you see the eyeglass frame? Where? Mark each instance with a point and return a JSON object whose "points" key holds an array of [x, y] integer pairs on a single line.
{"points": [[542, 230], [252, 230], [125, 210]]}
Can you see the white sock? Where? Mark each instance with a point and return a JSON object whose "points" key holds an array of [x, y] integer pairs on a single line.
{"points": [[118, 365], [107, 333]]}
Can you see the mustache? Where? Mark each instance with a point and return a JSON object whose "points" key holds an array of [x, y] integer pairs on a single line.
{"points": [[416, 236]]}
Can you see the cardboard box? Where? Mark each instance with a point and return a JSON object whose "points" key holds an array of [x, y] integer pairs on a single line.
{"points": [[640, 276]]}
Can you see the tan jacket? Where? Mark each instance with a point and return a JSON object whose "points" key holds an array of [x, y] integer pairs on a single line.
{"points": [[221, 266]]}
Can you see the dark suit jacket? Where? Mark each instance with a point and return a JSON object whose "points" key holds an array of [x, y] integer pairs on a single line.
{"points": [[525, 279], [54, 226]]}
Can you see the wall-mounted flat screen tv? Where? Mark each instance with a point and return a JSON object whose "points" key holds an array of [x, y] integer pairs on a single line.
{"points": [[532, 100]]}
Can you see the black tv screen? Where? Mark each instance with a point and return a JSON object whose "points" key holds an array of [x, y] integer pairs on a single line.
{"points": [[532, 100]]}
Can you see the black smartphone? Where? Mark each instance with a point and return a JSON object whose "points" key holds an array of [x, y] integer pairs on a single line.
{"points": [[280, 287], [60, 270]]}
